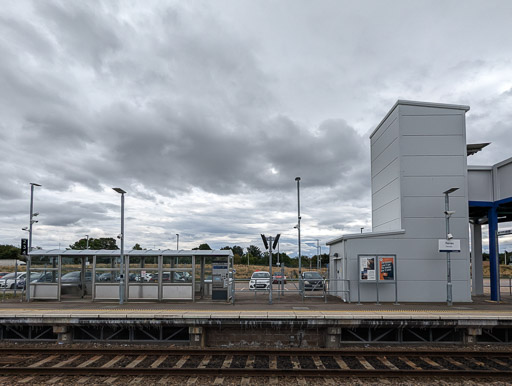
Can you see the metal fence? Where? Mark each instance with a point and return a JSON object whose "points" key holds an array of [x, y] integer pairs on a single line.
{"points": [[505, 282], [299, 289]]}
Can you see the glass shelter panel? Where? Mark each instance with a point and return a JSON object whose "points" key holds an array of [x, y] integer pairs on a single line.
{"points": [[143, 274], [176, 279], [106, 277]]}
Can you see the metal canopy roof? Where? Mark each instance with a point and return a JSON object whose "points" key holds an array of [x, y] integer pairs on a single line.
{"points": [[134, 252], [473, 148]]}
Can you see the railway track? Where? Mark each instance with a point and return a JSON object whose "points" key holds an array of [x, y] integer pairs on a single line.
{"points": [[252, 363]]}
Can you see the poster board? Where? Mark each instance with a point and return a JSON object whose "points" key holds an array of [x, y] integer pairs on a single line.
{"points": [[367, 268], [377, 269], [387, 268]]}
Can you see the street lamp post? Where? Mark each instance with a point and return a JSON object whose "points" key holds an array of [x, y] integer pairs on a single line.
{"points": [[86, 242], [32, 221], [177, 242], [121, 237], [448, 214], [318, 253], [298, 223]]}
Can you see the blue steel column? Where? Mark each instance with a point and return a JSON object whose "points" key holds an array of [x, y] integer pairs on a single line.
{"points": [[493, 253]]}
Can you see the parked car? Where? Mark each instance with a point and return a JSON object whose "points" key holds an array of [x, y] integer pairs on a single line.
{"points": [[2, 274], [176, 277], [71, 282], [278, 278], [35, 277], [8, 280], [312, 281], [260, 280]]}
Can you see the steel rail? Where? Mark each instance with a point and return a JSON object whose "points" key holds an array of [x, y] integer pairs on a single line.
{"points": [[104, 371]]}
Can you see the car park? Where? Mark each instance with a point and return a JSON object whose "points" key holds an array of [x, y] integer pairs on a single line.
{"points": [[312, 281], [260, 280]]}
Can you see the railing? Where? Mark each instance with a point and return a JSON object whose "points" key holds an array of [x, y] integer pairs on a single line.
{"points": [[314, 289], [487, 284]]}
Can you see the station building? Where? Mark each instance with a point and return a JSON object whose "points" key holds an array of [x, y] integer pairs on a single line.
{"points": [[418, 161]]}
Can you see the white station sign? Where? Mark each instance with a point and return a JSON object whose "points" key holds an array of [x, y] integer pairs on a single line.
{"points": [[449, 245]]}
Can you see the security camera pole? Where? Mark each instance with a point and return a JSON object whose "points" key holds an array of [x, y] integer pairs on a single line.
{"points": [[447, 215], [121, 237]]}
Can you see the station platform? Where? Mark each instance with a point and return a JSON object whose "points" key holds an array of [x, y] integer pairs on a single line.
{"points": [[254, 322]]}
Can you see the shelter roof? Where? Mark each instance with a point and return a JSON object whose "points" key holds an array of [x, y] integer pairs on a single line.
{"points": [[134, 252]]}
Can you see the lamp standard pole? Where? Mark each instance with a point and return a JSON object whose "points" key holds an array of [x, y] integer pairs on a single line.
{"points": [[447, 213], [298, 223], [86, 242], [177, 242], [32, 221], [318, 249], [121, 236]]}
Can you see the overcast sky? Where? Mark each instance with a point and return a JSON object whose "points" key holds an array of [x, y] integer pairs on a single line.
{"points": [[206, 111]]}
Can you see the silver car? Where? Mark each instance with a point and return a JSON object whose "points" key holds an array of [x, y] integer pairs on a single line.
{"points": [[8, 280]]}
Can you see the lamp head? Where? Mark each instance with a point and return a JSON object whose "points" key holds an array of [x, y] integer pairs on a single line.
{"points": [[451, 190], [119, 190]]}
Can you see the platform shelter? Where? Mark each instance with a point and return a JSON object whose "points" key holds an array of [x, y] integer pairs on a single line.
{"points": [[159, 275]]}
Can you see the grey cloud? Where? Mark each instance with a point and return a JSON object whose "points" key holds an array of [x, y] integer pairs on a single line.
{"points": [[73, 213], [236, 100], [85, 30]]}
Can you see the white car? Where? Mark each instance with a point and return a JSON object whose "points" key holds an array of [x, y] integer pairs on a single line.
{"points": [[8, 280], [260, 280]]}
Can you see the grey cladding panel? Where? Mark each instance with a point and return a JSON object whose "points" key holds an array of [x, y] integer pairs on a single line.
{"points": [[385, 158], [430, 186], [433, 145], [384, 126], [480, 185], [389, 226], [435, 228], [433, 206], [432, 125], [387, 175], [433, 165], [382, 143], [424, 110], [416, 291], [410, 249], [386, 213], [386, 194], [504, 181]]}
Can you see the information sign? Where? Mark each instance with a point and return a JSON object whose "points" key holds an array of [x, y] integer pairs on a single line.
{"points": [[449, 245]]}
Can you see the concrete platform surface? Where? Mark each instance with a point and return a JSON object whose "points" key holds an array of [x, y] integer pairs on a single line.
{"points": [[480, 308]]}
